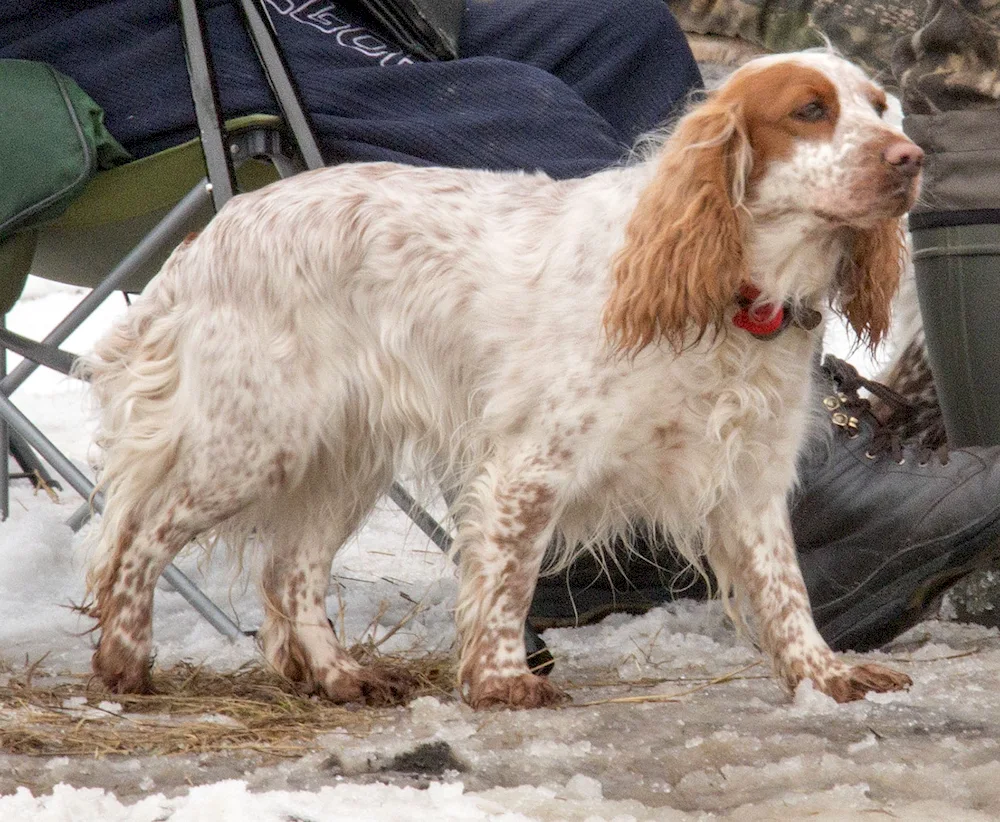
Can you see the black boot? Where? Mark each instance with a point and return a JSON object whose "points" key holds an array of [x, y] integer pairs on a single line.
{"points": [[627, 581], [883, 528]]}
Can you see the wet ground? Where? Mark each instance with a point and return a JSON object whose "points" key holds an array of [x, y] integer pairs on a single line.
{"points": [[740, 748]]}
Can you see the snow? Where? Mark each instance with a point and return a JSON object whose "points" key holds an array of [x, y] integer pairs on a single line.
{"points": [[740, 750]]}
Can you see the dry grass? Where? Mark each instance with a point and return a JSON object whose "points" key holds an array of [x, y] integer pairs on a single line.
{"points": [[677, 696], [194, 711]]}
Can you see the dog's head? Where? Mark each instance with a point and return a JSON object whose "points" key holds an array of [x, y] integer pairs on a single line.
{"points": [[796, 140]]}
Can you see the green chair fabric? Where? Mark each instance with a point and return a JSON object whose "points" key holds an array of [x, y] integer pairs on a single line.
{"points": [[115, 209], [16, 254], [52, 141]]}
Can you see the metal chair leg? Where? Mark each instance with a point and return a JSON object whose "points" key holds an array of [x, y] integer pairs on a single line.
{"points": [[32, 468], [85, 488]]}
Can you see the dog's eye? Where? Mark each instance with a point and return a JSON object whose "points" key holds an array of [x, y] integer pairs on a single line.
{"points": [[880, 108], [811, 112]]}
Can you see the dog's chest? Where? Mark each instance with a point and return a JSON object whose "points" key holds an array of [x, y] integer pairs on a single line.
{"points": [[705, 434]]}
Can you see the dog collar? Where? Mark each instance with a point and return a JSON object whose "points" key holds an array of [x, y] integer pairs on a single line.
{"points": [[766, 321]]}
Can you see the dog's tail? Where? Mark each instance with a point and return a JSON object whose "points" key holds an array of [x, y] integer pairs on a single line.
{"points": [[134, 374]]}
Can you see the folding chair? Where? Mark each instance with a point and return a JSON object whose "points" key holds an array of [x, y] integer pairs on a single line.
{"points": [[126, 222]]}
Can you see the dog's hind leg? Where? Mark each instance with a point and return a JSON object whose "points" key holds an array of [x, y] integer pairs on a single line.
{"points": [[208, 412], [755, 552], [297, 638], [501, 543], [142, 539], [171, 473]]}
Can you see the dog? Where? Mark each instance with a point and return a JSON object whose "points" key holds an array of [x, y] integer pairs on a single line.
{"points": [[568, 357]]}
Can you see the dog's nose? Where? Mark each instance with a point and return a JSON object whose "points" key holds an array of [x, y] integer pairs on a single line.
{"points": [[904, 156]]}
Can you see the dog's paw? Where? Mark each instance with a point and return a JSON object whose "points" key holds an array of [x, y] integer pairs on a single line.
{"points": [[522, 691], [377, 685], [121, 669], [856, 681], [384, 685]]}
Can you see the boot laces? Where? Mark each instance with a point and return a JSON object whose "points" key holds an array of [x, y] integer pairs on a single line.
{"points": [[886, 437]]}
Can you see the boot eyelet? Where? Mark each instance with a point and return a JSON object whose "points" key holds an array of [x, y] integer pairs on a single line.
{"points": [[922, 464], [852, 434], [901, 461], [870, 455]]}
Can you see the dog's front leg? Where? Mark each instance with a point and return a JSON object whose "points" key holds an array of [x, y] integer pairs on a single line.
{"points": [[501, 542], [758, 556]]}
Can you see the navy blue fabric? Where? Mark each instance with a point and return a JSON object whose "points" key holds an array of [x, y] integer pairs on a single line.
{"points": [[564, 86]]}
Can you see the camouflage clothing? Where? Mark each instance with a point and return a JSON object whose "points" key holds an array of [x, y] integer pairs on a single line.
{"points": [[949, 74], [864, 30], [953, 62]]}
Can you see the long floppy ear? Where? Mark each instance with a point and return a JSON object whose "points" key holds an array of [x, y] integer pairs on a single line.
{"points": [[682, 261], [871, 277]]}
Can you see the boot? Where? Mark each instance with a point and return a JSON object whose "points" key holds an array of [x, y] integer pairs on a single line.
{"points": [[883, 529], [957, 269]]}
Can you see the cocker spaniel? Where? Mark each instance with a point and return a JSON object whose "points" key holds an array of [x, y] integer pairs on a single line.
{"points": [[569, 356]]}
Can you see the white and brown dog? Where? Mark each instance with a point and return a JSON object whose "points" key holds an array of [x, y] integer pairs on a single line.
{"points": [[572, 356]]}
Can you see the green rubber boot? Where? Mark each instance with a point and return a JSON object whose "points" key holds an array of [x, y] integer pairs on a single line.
{"points": [[958, 285]]}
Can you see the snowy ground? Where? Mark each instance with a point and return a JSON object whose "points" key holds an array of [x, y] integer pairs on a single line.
{"points": [[739, 750]]}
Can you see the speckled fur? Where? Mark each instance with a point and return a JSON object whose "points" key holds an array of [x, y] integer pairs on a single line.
{"points": [[494, 330]]}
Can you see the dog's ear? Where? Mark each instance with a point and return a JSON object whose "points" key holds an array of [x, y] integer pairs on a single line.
{"points": [[870, 278], [682, 262]]}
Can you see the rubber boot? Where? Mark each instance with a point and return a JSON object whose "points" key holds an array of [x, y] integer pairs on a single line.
{"points": [[958, 284]]}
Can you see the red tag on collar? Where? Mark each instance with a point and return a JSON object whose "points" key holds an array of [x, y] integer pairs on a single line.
{"points": [[760, 320]]}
